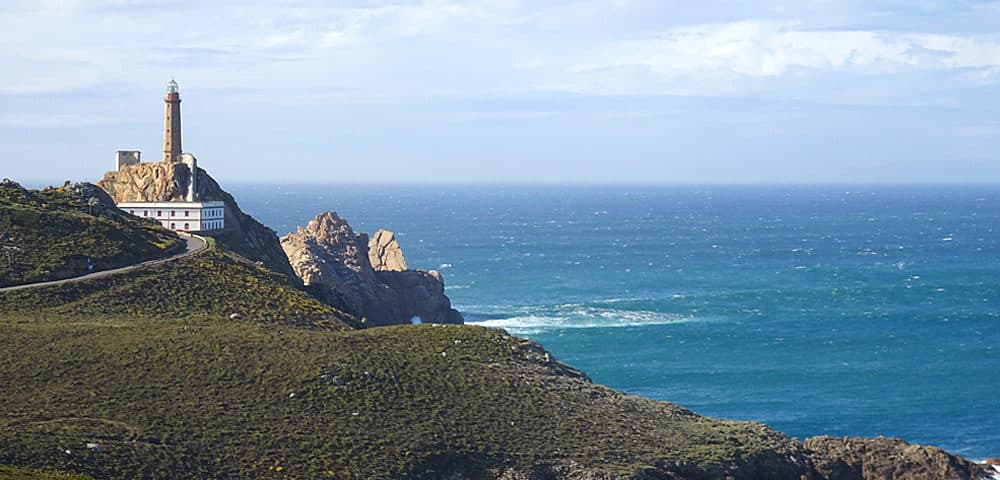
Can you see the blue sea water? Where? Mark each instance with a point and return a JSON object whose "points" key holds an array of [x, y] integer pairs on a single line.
{"points": [[861, 310]]}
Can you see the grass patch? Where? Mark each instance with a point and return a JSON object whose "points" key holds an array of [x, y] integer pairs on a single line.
{"points": [[204, 399], [212, 285], [14, 473]]}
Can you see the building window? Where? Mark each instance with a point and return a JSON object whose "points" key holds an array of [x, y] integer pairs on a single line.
{"points": [[187, 226], [187, 213], [172, 213], [173, 226], [145, 213], [159, 213]]}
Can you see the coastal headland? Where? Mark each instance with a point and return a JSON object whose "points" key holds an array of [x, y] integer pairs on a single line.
{"points": [[298, 357]]}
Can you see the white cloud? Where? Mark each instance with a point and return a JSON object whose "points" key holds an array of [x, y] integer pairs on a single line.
{"points": [[284, 39], [340, 39], [402, 48], [769, 49]]}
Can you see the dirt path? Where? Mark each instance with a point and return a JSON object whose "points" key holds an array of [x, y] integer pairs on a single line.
{"points": [[194, 246]]}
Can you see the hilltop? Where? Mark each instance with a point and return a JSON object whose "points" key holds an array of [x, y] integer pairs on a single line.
{"points": [[216, 285], [165, 182], [51, 234]]}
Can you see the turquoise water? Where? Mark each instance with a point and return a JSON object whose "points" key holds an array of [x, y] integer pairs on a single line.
{"points": [[818, 310]]}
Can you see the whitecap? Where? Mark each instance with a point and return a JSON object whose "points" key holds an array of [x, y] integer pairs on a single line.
{"points": [[444, 265], [624, 300], [572, 316]]}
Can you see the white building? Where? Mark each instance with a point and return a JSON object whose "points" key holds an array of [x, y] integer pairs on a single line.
{"points": [[181, 216]]}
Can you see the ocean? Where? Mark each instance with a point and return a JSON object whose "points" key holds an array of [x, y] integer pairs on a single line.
{"points": [[837, 310]]}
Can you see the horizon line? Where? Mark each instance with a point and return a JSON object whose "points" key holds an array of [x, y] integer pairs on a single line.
{"points": [[41, 183]]}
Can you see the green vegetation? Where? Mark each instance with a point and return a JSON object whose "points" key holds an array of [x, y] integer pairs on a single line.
{"points": [[14, 473], [243, 400], [148, 374], [212, 285], [51, 233]]}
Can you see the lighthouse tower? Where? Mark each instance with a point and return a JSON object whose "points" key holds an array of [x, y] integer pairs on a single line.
{"points": [[172, 124]]}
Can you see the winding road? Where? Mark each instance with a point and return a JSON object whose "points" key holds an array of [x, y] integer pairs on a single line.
{"points": [[194, 245]]}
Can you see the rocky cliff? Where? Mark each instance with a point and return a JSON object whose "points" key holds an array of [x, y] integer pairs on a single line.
{"points": [[881, 458], [367, 279], [165, 182]]}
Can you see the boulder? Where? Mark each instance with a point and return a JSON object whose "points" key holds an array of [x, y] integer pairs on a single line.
{"points": [[881, 458], [384, 252], [335, 264], [95, 200]]}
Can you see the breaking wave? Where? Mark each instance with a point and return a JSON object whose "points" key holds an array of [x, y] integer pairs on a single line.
{"points": [[572, 316]]}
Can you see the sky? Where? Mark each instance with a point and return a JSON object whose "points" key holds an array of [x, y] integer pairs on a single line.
{"points": [[498, 91]]}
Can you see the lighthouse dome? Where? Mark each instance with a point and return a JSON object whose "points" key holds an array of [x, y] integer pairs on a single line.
{"points": [[172, 86]]}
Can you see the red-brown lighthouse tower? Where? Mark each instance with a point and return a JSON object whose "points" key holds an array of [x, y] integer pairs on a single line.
{"points": [[172, 124]]}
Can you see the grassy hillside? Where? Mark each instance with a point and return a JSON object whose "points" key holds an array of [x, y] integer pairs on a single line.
{"points": [[49, 234], [14, 473], [210, 399], [211, 285], [151, 366]]}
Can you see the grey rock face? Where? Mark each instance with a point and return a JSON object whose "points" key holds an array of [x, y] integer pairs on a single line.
{"points": [[336, 265], [384, 252]]}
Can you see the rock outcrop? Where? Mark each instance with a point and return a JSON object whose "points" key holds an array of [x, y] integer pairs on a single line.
{"points": [[13, 192], [881, 458], [336, 265], [148, 182], [385, 253], [165, 182]]}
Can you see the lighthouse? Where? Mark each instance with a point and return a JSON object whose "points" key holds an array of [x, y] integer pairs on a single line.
{"points": [[181, 209], [172, 124]]}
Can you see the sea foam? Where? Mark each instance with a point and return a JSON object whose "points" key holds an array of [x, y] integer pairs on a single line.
{"points": [[574, 316]]}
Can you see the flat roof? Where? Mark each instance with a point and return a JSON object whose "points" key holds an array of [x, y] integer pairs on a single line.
{"points": [[211, 204]]}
